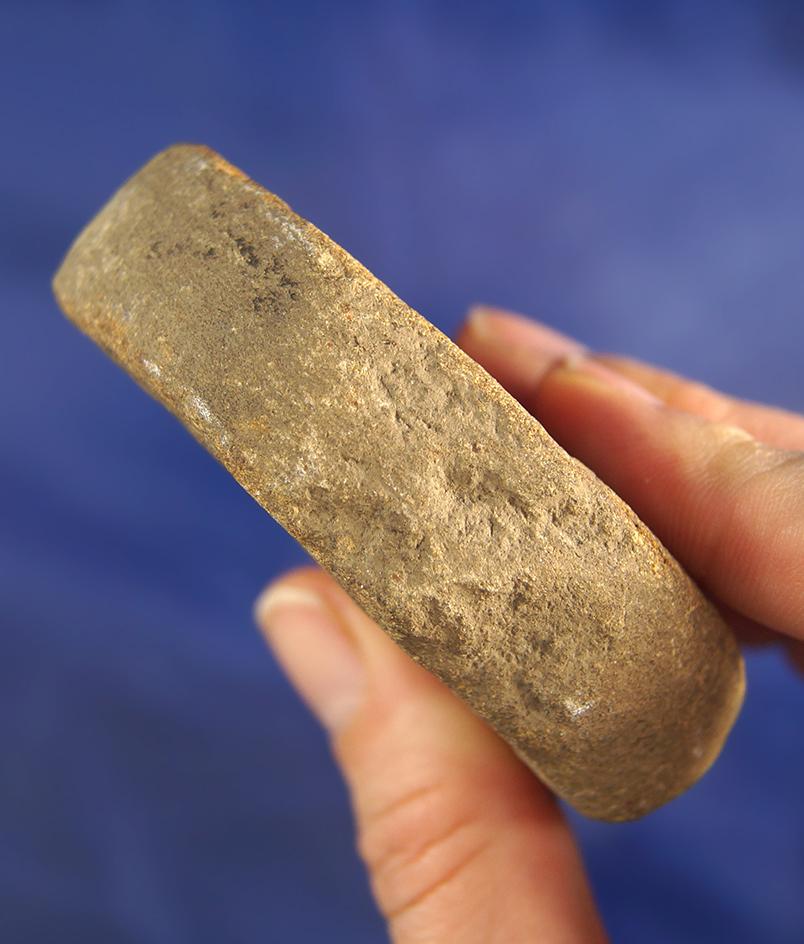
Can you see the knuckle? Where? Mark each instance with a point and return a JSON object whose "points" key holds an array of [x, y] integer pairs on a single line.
{"points": [[392, 833], [419, 844], [757, 491], [742, 464]]}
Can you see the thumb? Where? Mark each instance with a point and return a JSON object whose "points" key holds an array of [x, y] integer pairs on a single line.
{"points": [[461, 841]]}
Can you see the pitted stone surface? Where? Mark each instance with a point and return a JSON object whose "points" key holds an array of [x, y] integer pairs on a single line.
{"points": [[494, 558]]}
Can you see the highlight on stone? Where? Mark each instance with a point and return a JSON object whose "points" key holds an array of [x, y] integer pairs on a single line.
{"points": [[490, 555]]}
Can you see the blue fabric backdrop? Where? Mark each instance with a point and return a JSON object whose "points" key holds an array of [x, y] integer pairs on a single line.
{"points": [[632, 172]]}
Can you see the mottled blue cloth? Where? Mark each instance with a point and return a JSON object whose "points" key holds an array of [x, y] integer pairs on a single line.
{"points": [[632, 172]]}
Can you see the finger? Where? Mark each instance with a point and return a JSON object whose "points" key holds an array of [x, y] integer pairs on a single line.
{"points": [[728, 506], [516, 350], [770, 425], [462, 843]]}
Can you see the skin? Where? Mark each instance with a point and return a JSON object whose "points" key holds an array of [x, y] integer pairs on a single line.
{"points": [[461, 841]]}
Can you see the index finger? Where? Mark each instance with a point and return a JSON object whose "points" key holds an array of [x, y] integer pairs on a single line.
{"points": [[731, 508]]}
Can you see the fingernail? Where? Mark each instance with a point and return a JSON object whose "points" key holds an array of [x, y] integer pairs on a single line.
{"points": [[315, 651], [587, 370], [506, 328], [516, 350]]}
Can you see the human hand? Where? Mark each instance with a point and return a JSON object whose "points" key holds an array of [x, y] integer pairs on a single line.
{"points": [[462, 842]]}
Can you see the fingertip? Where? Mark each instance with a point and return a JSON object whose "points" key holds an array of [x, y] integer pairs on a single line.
{"points": [[292, 581], [313, 646], [497, 325], [515, 350]]}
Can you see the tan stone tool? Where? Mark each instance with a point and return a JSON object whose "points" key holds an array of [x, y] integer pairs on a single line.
{"points": [[495, 559]]}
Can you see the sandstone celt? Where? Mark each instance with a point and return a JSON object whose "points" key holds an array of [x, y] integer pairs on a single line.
{"points": [[495, 559]]}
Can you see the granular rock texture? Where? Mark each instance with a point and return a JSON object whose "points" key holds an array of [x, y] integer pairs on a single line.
{"points": [[494, 558]]}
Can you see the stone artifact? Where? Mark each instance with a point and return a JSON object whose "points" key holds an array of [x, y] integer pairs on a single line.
{"points": [[495, 559]]}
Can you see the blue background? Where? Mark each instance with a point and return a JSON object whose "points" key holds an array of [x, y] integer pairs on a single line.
{"points": [[630, 171]]}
